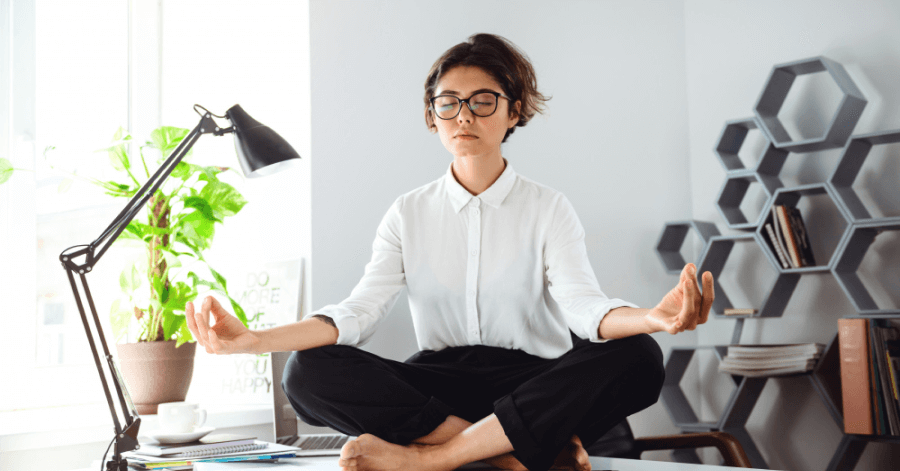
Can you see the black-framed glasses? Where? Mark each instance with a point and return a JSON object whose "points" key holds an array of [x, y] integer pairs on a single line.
{"points": [[481, 104]]}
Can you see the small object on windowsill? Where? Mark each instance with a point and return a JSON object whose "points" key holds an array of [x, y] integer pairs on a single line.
{"points": [[746, 311]]}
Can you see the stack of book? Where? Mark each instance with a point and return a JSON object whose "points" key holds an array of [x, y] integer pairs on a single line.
{"points": [[770, 360], [212, 448], [870, 375], [787, 237]]}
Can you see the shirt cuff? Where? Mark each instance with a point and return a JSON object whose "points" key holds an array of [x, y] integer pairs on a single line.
{"points": [[347, 325], [594, 328]]}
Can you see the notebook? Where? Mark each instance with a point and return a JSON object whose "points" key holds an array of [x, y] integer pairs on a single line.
{"points": [[324, 444], [214, 443]]}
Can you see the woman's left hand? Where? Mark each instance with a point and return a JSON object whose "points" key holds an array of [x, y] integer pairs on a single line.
{"points": [[684, 307]]}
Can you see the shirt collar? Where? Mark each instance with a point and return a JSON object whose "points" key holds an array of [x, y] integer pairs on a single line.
{"points": [[493, 196]]}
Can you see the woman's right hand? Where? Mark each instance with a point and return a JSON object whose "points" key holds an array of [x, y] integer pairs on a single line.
{"points": [[228, 335]]}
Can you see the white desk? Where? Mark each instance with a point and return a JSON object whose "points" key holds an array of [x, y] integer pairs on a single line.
{"points": [[330, 464]]}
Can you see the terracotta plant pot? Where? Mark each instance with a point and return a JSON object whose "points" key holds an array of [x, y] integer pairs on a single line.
{"points": [[156, 372]]}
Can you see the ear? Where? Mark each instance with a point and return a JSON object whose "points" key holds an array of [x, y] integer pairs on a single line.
{"points": [[515, 112]]}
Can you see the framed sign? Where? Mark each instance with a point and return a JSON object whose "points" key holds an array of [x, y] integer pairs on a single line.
{"points": [[271, 295]]}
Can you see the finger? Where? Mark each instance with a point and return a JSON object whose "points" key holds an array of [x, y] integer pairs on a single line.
{"points": [[689, 306], [216, 309], [218, 345], [202, 319], [709, 294]]}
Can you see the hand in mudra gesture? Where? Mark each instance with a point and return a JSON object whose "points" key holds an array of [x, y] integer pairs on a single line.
{"points": [[227, 335], [684, 307]]}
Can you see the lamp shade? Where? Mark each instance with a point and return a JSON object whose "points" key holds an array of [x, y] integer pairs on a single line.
{"points": [[260, 150]]}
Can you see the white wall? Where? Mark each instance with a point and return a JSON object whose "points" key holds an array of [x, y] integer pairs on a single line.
{"points": [[256, 55], [731, 49], [614, 140]]}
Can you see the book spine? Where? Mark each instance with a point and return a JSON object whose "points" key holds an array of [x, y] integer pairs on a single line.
{"points": [[804, 249], [853, 351], [776, 225], [774, 240], [884, 376], [788, 236], [877, 399]]}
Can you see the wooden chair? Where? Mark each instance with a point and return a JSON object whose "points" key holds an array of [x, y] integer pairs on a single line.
{"points": [[620, 443]]}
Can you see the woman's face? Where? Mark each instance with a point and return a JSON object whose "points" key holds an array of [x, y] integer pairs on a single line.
{"points": [[463, 82]]}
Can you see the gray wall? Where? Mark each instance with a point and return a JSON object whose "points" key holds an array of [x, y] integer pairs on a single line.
{"points": [[614, 140], [731, 48]]}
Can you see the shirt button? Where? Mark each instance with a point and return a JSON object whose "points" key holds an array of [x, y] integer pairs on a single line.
{"points": [[471, 292], [476, 201], [475, 212], [474, 253]]}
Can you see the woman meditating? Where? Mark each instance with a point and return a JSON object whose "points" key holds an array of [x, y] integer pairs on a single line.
{"points": [[523, 361]]}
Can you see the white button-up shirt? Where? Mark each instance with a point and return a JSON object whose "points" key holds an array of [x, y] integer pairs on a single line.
{"points": [[507, 268]]}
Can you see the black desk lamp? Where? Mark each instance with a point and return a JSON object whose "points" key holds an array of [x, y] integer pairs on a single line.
{"points": [[260, 152]]}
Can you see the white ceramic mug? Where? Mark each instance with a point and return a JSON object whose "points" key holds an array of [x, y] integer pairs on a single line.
{"points": [[180, 417]]}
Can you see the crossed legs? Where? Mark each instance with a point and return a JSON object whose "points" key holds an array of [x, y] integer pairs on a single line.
{"points": [[586, 392]]}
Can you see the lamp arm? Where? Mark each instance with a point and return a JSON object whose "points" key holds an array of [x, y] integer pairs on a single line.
{"points": [[126, 438]]}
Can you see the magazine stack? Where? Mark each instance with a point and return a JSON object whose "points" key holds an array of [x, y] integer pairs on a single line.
{"points": [[771, 360]]}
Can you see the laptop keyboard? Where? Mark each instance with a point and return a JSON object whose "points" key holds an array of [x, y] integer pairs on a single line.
{"points": [[328, 441]]}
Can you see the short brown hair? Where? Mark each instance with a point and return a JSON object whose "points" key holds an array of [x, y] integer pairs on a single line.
{"points": [[501, 59]]}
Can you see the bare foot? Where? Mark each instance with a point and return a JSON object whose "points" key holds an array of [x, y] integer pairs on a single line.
{"points": [[573, 457], [370, 453]]}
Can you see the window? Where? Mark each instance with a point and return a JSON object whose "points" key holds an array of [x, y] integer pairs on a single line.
{"points": [[77, 71]]}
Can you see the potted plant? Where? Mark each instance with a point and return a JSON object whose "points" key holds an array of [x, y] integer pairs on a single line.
{"points": [[179, 226]]}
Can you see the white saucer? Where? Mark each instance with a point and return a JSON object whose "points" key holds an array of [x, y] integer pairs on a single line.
{"points": [[169, 438]]}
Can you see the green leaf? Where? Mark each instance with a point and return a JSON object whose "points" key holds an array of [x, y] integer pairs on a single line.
{"points": [[130, 279], [184, 336], [219, 278], [64, 185], [238, 311], [6, 170], [119, 319], [118, 155], [224, 199], [167, 138], [197, 229], [171, 324], [201, 205]]}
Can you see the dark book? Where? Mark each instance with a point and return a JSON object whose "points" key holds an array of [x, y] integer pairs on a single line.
{"points": [[874, 383], [887, 392], [804, 249]]}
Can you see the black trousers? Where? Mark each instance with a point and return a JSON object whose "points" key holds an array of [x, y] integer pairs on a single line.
{"points": [[540, 403]]}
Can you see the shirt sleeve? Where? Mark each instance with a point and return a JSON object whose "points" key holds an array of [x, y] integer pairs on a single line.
{"points": [[571, 279], [358, 316]]}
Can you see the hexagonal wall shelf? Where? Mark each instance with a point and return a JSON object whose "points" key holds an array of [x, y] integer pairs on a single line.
{"points": [[776, 89], [790, 197], [731, 140], [672, 238], [732, 194], [713, 260], [737, 411], [848, 167], [849, 256]]}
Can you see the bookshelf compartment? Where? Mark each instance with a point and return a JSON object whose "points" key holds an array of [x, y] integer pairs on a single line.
{"points": [[731, 199], [732, 139], [778, 85], [849, 257], [671, 241], [713, 260], [673, 398], [851, 162], [824, 245]]}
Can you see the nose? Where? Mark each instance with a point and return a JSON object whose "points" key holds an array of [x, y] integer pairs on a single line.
{"points": [[464, 108]]}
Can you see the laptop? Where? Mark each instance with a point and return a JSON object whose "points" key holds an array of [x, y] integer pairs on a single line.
{"points": [[320, 444]]}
